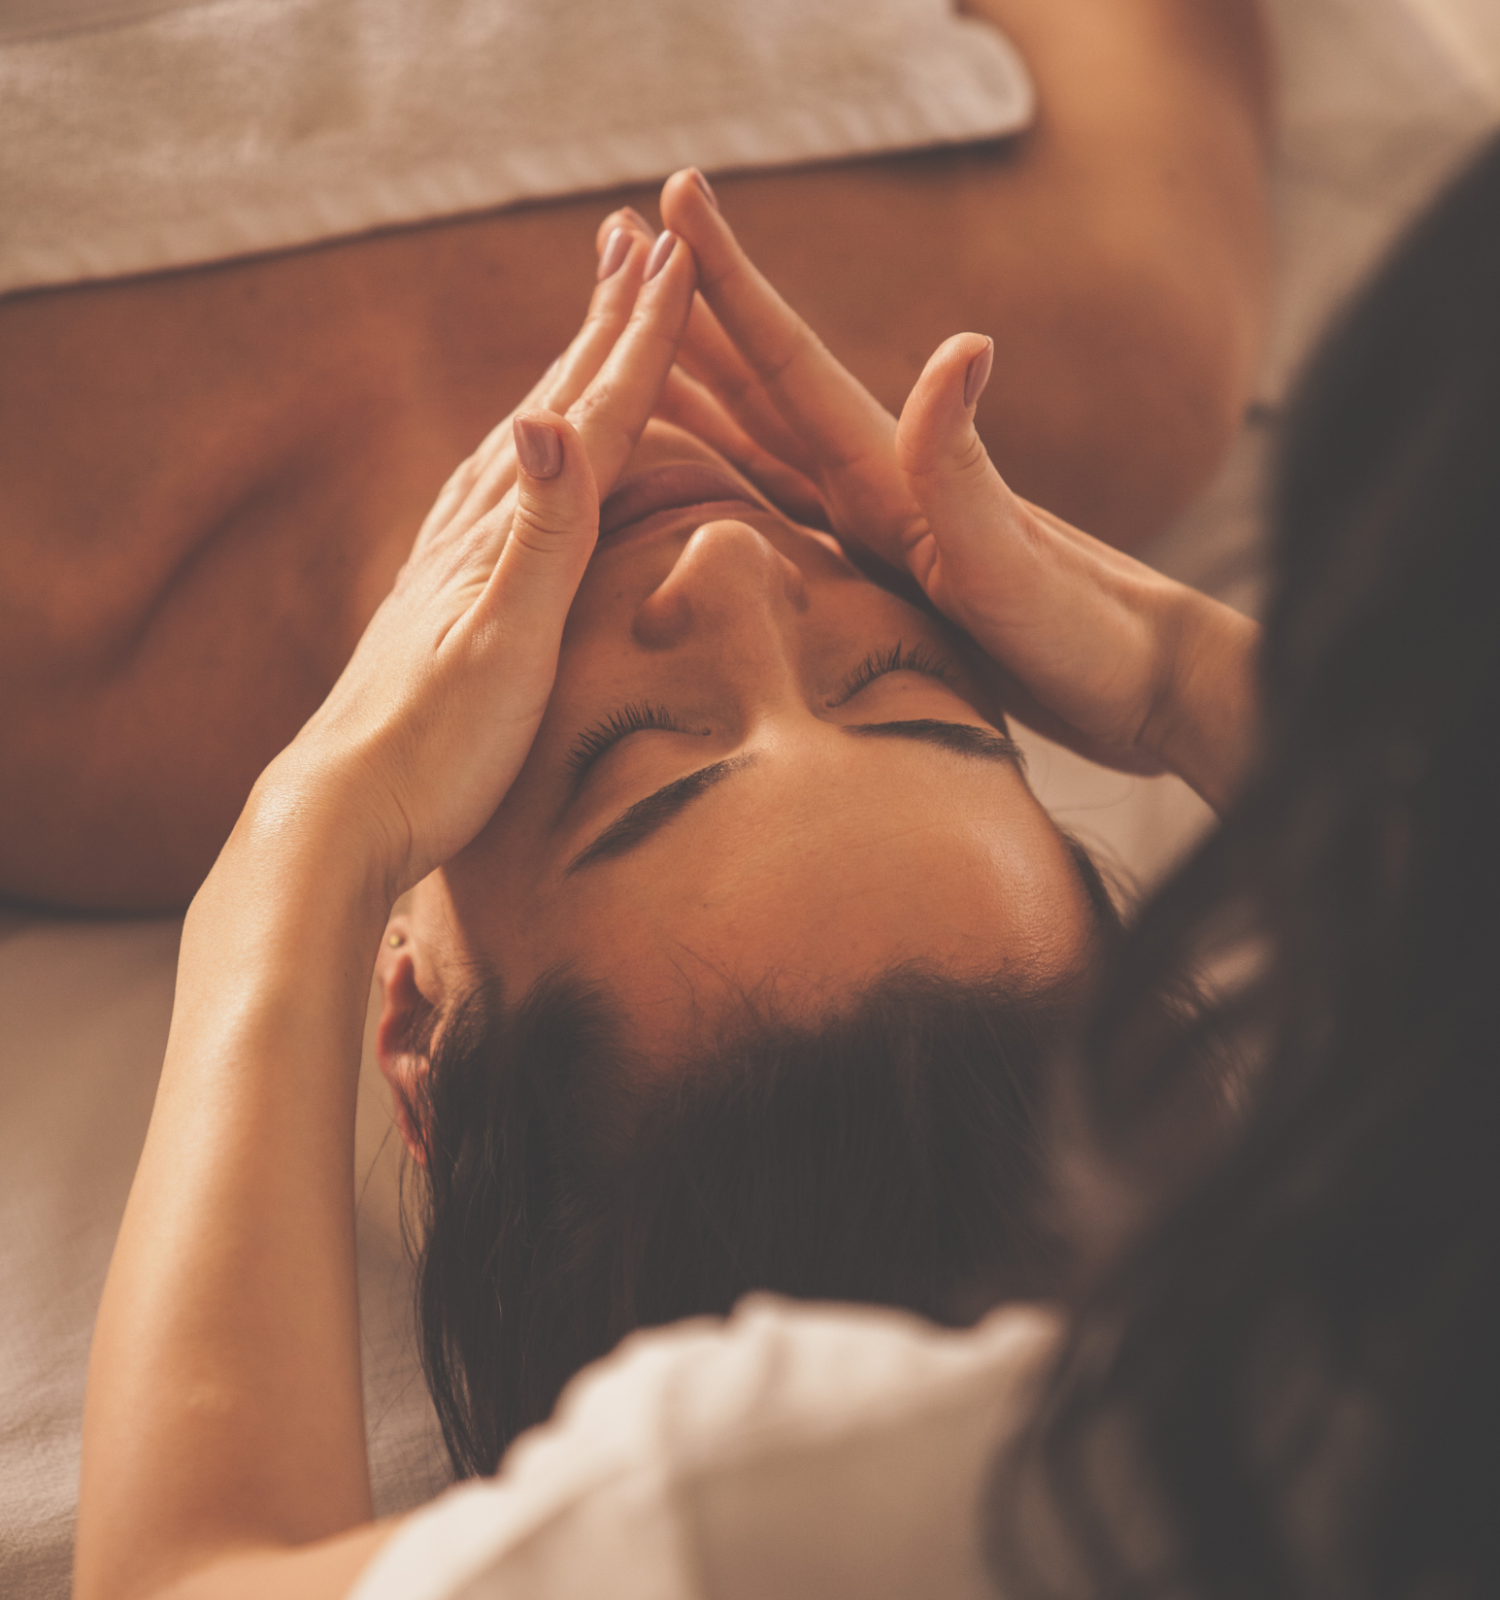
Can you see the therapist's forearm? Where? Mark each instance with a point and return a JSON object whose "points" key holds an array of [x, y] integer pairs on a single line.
{"points": [[224, 1407]]}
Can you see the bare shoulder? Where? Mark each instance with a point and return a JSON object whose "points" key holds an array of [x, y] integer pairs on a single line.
{"points": [[209, 478], [1118, 253], [1094, 52]]}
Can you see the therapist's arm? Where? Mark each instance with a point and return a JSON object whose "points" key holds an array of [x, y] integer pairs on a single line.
{"points": [[223, 1442], [224, 1448]]}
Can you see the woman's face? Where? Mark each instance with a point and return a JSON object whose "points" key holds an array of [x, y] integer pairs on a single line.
{"points": [[758, 772]]}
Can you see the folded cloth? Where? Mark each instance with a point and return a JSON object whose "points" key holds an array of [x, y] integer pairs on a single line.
{"points": [[137, 135]]}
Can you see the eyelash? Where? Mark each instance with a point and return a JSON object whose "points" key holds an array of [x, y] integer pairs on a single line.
{"points": [[593, 742], [896, 659]]}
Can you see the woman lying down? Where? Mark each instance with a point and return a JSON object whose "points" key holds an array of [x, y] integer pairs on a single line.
{"points": [[804, 1059]]}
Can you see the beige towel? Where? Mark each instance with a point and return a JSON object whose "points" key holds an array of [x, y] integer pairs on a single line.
{"points": [[137, 135]]}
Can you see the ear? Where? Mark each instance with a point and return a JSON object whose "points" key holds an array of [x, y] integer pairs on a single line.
{"points": [[403, 1011]]}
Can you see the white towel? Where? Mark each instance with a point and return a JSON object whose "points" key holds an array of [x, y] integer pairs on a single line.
{"points": [[137, 135]]}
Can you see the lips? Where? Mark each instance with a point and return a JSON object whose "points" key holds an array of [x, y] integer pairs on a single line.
{"points": [[684, 483]]}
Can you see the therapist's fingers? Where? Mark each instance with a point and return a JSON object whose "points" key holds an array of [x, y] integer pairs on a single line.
{"points": [[551, 538], [708, 355], [622, 268], [618, 402], [690, 406], [843, 427], [979, 547], [626, 217], [945, 462], [480, 481], [965, 501]]}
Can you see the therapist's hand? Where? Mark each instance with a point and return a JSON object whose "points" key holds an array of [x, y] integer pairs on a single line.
{"points": [[1094, 649], [430, 722]]}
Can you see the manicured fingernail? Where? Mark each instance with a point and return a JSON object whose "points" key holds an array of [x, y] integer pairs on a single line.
{"points": [[978, 374], [707, 188], [616, 248], [538, 448], [660, 251]]}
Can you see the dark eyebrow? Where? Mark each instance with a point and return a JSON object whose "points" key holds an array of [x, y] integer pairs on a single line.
{"points": [[961, 737], [635, 824]]}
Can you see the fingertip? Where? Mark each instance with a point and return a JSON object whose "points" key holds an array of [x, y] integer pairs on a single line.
{"points": [[977, 374], [557, 493], [612, 257], [954, 377], [937, 422], [661, 254], [688, 202], [705, 188], [626, 217], [539, 446], [672, 257], [619, 271], [572, 454], [550, 538], [954, 356]]}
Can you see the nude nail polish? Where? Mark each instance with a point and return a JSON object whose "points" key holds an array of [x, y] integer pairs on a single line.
{"points": [[538, 448], [978, 374], [660, 252], [616, 248], [707, 188]]}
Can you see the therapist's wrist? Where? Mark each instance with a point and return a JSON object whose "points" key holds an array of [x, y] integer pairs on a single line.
{"points": [[1208, 727], [304, 839]]}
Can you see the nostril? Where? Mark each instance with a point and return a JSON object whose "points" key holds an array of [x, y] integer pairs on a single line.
{"points": [[662, 619]]}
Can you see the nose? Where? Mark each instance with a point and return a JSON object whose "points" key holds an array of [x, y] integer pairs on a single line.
{"points": [[729, 581]]}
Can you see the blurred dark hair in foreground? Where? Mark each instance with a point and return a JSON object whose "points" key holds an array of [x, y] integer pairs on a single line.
{"points": [[1289, 1384]]}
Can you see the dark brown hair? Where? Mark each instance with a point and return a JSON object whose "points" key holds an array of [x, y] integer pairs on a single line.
{"points": [[891, 1152]]}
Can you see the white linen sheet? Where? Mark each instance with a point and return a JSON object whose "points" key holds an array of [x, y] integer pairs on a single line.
{"points": [[1382, 98]]}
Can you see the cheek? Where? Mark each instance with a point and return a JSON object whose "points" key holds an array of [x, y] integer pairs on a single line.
{"points": [[611, 591]]}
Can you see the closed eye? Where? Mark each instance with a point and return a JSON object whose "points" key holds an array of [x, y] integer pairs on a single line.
{"points": [[594, 741], [880, 663]]}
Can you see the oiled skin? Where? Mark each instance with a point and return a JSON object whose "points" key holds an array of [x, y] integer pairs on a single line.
{"points": [[208, 479]]}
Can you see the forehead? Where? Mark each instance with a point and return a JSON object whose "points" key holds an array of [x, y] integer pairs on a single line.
{"points": [[809, 876]]}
